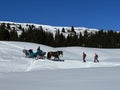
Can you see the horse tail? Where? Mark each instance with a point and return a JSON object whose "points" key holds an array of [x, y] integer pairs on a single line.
{"points": [[48, 55]]}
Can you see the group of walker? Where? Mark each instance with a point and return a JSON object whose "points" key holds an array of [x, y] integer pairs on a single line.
{"points": [[95, 57]]}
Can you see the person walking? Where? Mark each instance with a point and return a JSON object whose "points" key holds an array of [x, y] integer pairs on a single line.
{"points": [[84, 56], [96, 58]]}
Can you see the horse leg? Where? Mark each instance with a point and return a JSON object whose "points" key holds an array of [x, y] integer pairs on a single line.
{"points": [[56, 57]]}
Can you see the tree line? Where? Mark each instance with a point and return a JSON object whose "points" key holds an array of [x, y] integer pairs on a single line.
{"points": [[99, 39]]}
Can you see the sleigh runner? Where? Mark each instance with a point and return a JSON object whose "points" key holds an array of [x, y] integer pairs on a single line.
{"points": [[61, 60]]}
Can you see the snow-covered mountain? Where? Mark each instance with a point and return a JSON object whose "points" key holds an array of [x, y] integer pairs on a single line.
{"points": [[49, 28]]}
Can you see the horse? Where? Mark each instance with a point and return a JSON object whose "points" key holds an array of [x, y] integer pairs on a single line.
{"points": [[55, 54]]}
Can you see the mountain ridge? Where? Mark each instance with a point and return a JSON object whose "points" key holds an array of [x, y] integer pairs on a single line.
{"points": [[50, 27]]}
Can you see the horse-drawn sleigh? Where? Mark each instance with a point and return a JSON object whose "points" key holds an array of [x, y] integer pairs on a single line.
{"points": [[51, 55]]}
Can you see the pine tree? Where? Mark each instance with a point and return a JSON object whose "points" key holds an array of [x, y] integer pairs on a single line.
{"points": [[85, 38], [62, 40], [80, 40], [49, 39], [13, 35], [72, 29], [4, 34], [2, 28], [8, 26], [63, 30], [20, 27], [69, 40], [57, 38]]}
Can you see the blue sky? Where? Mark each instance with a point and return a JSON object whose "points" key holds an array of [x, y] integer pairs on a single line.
{"points": [[101, 14]]}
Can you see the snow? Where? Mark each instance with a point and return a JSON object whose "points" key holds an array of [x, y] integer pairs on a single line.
{"points": [[20, 73], [13, 57]]}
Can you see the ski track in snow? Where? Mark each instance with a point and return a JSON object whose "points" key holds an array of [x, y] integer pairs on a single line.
{"points": [[29, 67]]}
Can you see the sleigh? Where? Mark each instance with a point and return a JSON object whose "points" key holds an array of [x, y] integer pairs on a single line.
{"points": [[30, 54]]}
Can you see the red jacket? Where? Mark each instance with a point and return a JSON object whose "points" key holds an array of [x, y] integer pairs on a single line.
{"points": [[84, 55], [96, 56]]}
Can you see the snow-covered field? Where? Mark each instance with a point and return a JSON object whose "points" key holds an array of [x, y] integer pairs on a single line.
{"points": [[20, 73]]}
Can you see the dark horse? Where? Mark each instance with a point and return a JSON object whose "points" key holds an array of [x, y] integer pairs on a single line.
{"points": [[54, 54]]}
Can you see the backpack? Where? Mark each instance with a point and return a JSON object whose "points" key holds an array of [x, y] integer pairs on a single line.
{"points": [[84, 55], [96, 55]]}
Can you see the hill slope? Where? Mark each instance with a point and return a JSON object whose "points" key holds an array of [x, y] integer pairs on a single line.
{"points": [[47, 28], [12, 58], [20, 73]]}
